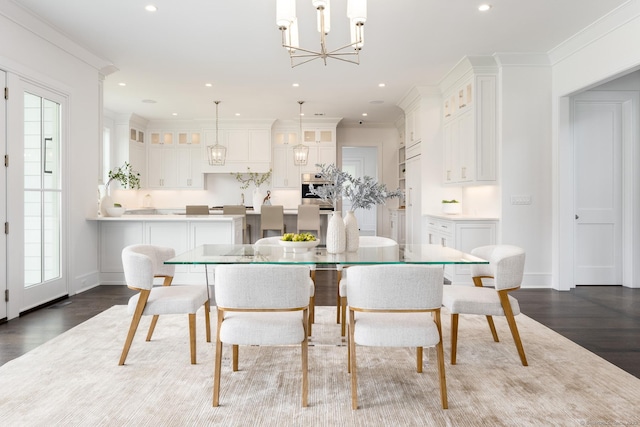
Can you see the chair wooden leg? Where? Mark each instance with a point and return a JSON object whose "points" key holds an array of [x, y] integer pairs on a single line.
{"points": [[305, 361], [192, 337], [135, 321], [508, 312], [492, 326], [152, 326], [218, 362], [207, 320], [441, 372], [352, 362], [454, 337], [312, 310], [343, 311], [339, 275], [234, 352], [419, 352]]}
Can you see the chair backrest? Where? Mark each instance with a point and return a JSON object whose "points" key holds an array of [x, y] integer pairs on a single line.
{"points": [[309, 217], [197, 210], [375, 241], [236, 210], [272, 217], [141, 263], [262, 286], [395, 287], [506, 265], [268, 241]]}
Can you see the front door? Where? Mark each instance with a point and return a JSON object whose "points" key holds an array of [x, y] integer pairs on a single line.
{"points": [[35, 180], [598, 191]]}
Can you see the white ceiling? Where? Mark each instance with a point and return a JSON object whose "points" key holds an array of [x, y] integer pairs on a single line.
{"points": [[169, 55]]}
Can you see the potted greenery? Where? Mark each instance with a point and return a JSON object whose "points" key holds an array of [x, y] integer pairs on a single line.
{"points": [[451, 207], [257, 179], [128, 179]]}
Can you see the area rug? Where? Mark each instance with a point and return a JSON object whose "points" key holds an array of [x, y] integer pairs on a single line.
{"points": [[75, 380]]}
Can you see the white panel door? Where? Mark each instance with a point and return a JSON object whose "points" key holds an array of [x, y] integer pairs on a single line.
{"points": [[3, 196], [598, 189]]}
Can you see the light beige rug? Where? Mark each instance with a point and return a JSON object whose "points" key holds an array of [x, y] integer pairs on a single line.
{"points": [[75, 379]]}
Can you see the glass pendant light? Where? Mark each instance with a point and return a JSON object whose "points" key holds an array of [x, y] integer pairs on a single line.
{"points": [[217, 153], [300, 151]]}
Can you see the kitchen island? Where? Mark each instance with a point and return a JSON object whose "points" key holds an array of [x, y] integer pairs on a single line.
{"points": [[181, 232], [173, 228]]}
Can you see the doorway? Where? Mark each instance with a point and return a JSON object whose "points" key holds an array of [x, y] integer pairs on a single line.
{"points": [[603, 156], [358, 162]]}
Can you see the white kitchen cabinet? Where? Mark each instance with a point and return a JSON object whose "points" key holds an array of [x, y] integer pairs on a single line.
{"points": [[413, 194], [161, 138], [170, 234], [464, 234], [413, 126], [286, 174], [189, 164], [114, 237], [188, 138], [319, 154], [162, 168], [398, 217], [319, 135], [247, 149], [469, 131]]}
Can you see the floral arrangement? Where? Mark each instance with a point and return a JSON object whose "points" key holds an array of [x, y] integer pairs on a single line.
{"points": [[256, 178], [362, 192], [366, 192], [125, 175]]}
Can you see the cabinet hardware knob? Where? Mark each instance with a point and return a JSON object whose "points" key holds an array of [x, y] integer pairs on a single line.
{"points": [[577, 217]]}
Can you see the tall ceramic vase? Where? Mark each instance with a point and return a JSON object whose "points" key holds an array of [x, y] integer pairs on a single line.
{"points": [[257, 200], [105, 200], [352, 232], [336, 236]]}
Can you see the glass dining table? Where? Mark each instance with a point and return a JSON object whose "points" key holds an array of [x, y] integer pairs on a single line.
{"points": [[213, 254]]}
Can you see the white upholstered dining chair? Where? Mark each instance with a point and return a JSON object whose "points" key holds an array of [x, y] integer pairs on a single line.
{"points": [[273, 241], [141, 264], [506, 268], [395, 306], [341, 303], [261, 305]]}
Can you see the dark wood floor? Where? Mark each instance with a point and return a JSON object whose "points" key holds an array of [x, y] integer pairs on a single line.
{"points": [[603, 319]]}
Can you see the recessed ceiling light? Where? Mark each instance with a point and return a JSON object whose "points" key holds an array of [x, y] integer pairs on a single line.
{"points": [[174, 114], [381, 85], [208, 84], [237, 114], [376, 102], [364, 114], [150, 8], [296, 85], [149, 101], [484, 7], [122, 84]]}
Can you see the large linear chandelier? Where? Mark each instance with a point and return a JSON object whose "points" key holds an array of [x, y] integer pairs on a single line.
{"points": [[288, 25]]}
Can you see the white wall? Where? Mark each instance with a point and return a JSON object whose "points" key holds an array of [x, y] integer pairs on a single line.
{"points": [[386, 138], [72, 72], [525, 161]]}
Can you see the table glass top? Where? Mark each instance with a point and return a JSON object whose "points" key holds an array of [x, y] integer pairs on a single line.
{"points": [[276, 254]]}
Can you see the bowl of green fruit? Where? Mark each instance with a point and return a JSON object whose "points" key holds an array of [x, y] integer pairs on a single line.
{"points": [[298, 242]]}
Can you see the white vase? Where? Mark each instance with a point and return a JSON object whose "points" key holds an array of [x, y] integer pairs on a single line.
{"points": [[105, 202], [352, 232], [257, 200], [451, 208], [336, 236]]}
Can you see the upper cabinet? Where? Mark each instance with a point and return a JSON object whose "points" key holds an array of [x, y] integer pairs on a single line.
{"points": [[174, 160], [248, 147], [413, 125], [319, 135], [470, 122]]}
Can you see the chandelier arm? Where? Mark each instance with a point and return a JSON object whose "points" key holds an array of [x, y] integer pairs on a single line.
{"points": [[293, 65]]}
